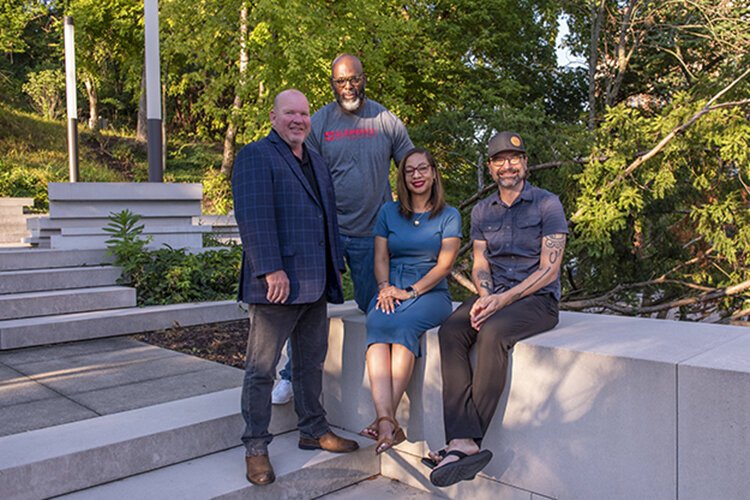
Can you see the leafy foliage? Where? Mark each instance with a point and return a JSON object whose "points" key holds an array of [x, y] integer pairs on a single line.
{"points": [[167, 275], [45, 88]]}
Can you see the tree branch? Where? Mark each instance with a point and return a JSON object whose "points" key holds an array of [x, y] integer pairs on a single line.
{"points": [[709, 296], [678, 130], [463, 281]]}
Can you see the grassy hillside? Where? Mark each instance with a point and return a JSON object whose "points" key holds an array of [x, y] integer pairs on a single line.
{"points": [[33, 152]]}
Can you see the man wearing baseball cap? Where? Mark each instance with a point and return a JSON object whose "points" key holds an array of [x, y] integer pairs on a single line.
{"points": [[518, 236]]}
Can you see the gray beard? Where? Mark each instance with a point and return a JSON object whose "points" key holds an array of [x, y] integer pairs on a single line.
{"points": [[351, 106]]}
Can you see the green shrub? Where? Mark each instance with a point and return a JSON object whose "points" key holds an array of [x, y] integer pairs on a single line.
{"points": [[25, 182], [217, 192], [46, 90], [167, 275]]}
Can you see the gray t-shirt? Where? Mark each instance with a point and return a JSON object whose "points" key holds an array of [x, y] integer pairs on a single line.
{"points": [[358, 148]]}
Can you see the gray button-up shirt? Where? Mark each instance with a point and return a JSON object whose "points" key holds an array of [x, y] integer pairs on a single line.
{"points": [[514, 234]]}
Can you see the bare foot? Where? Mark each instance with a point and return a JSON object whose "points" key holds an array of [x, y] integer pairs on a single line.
{"points": [[371, 431], [386, 428], [467, 446]]}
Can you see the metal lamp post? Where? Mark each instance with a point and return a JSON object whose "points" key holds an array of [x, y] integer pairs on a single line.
{"points": [[72, 102], [153, 92]]}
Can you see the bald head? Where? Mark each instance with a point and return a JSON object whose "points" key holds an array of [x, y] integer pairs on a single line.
{"points": [[286, 95], [348, 59]]}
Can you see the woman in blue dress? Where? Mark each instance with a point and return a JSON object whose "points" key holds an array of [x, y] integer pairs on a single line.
{"points": [[416, 243]]}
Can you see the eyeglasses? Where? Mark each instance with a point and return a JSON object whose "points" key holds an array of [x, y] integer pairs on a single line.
{"points": [[422, 169], [513, 160], [354, 80]]}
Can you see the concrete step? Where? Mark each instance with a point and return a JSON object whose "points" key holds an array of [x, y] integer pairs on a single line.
{"points": [[16, 259], [380, 487], [79, 455], [16, 202], [36, 280], [16, 219], [13, 235], [98, 324], [54, 302], [299, 474], [11, 211]]}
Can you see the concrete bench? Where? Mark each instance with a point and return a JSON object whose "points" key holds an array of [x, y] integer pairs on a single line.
{"points": [[599, 407], [78, 212], [13, 219]]}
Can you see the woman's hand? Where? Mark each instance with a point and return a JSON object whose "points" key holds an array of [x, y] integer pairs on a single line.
{"points": [[390, 297]]}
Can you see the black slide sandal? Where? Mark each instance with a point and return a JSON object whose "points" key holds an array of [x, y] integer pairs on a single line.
{"points": [[466, 467]]}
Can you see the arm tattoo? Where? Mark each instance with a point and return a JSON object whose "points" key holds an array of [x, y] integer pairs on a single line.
{"points": [[556, 244], [531, 285], [485, 280]]}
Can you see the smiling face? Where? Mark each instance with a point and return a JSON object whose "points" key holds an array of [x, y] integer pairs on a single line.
{"points": [[348, 83], [419, 174], [290, 118], [509, 169]]}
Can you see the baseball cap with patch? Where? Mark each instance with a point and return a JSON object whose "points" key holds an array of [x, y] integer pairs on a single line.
{"points": [[505, 141]]}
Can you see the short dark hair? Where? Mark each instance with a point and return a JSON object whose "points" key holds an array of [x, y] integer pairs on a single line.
{"points": [[437, 194]]}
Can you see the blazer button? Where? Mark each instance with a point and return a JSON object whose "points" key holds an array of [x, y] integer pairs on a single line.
{"points": [[321, 243]]}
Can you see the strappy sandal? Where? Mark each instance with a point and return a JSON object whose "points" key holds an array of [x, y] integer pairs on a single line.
{"points": [[371, 431], [387, 442]]}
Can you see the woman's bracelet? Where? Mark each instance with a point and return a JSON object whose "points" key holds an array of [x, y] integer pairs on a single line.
{"points": [[383, 284]]}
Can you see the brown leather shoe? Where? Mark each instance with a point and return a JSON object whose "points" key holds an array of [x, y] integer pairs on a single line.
{"points": [[259, 470], [328, 442]]}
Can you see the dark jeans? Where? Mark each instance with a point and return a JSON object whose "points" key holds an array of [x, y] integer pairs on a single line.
{"points": [[470, 397], [359, 252], [306, 327]]}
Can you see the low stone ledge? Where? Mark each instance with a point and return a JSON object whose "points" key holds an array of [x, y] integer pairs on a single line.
{"points": [[592, 410], [157, 191]]}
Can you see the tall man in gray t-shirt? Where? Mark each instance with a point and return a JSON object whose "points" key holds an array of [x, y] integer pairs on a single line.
{"points": [[358, 138]]}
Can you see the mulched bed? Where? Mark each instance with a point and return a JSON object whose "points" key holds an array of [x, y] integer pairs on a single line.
{"points": [[221, 342]]}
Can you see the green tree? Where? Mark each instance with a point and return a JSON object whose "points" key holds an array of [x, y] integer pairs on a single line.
{"points": [[109, 50], [661, 212], [14, 17]]}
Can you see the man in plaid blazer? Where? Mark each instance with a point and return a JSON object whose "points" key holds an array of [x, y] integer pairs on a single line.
{"points": [[285, 210]]}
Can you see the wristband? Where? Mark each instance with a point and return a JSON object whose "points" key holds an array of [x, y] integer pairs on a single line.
{"points": [[411, 291]]}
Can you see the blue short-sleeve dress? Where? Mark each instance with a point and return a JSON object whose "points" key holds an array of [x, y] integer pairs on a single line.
{"points": [[413, 250]]}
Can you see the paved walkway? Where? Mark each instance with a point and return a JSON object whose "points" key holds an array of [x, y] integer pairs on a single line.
{"points": [[46, 386]]}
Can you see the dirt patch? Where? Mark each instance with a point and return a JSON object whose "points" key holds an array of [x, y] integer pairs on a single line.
{"points": [[221, 342]]}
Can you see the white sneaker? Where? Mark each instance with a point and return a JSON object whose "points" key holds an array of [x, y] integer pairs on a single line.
{"points": [[282, 393]]}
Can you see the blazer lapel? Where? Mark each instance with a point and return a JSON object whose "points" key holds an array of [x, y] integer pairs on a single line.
{"points": [[292, 162]]}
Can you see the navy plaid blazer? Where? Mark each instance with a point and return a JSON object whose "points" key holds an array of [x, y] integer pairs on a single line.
{"points": [[281, 223]]}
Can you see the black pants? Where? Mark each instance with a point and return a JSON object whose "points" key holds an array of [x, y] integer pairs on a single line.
{"points": [[470, 398]]}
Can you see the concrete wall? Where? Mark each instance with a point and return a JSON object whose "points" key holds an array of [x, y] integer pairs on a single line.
{"points": [[600, 407], [78, 212]]}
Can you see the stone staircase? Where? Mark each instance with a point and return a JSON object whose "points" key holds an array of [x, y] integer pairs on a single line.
{"points": [[49, 296], [187, 448], [138, 421], [83, 415]]}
